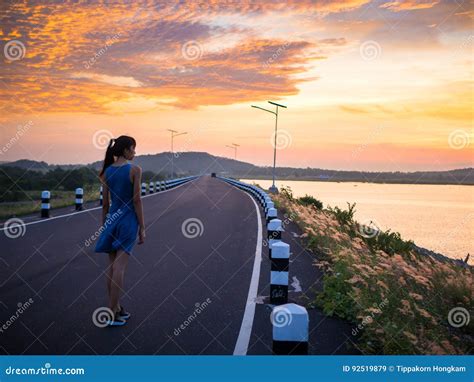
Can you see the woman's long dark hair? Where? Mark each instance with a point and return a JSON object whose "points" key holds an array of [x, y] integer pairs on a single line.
{"points": [[116, 148]]}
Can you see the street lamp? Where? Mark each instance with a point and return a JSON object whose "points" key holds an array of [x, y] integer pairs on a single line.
{"points": [[174, 133], [273, 188], [234, 146]]}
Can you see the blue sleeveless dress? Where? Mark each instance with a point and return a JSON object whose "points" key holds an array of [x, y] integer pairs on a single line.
{"points": [[120, 228]]}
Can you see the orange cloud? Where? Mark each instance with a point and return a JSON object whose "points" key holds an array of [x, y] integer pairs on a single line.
{"points": [[94, 58], [103, 59], [409, 5]]}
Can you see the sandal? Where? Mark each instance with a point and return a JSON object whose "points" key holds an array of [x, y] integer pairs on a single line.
{"points": [[123, 314], [117, 321]]}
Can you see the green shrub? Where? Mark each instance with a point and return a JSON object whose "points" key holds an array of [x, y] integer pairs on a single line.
{"points": [[335, 298], [287, 193], [309, 200], [344, 217], [389, 242]]}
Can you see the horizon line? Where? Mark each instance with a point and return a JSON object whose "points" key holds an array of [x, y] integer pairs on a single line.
{"points": [[241, 161]]}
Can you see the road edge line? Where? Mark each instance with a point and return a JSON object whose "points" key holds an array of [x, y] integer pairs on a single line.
{"points": [[243, 340]]}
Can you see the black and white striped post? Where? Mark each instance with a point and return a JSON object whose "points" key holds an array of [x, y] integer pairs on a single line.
{"points": [[157, 186], [79, 198], [268, 205], [101, 196], [143, 189], [274, 230], [271, 214], [280, 261], [290, 329], [151, 187], [266, 200], [45, 204]]}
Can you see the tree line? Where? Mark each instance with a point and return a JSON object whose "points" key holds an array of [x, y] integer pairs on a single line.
{"points": [[14, 181]]}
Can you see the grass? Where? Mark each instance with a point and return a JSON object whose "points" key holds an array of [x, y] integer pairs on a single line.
{"points": [[398, 301], [31, 202]]}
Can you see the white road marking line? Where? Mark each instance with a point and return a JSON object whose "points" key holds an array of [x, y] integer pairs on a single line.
{"points": [[243, 339], [3, 228]]}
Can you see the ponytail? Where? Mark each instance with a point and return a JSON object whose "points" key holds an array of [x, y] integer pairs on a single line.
{"points": [[109, 157], [116, 148]]}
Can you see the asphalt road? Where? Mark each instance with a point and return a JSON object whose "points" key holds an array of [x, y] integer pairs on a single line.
{"points": [[186, 288], [167, 278]]}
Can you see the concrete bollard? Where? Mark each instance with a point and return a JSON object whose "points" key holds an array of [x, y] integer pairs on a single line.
{"points": [[274, 230], [269, 205], [279, 273], [271, 214], [45, 205], [157, 186], [290, 329], [143, 189], [79, 198], [151, 187], [101, 196]]}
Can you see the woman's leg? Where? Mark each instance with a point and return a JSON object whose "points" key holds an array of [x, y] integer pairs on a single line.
{"points": [[119, 266], [109, 274]]}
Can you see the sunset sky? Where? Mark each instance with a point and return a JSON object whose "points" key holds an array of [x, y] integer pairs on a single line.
{"points": [[369, 85]]}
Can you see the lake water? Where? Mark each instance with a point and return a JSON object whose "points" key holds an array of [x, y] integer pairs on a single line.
{"points": [[437, 217]]}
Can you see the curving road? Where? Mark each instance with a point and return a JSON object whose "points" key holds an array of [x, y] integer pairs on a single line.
{"points": [[187, 294]]}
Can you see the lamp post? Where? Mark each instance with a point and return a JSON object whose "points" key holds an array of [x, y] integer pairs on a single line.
{"points": [[234, 146], [174, 133], [273, 188]]}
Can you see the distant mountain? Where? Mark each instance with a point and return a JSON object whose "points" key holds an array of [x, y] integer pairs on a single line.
{"points": [[203, 163], [189, 163], [27, 165]]}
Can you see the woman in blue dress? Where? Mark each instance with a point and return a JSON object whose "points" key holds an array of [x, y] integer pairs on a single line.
{"points": [[122, 221]]}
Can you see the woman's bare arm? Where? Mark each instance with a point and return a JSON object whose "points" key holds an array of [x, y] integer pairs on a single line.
{"points": [[137, 202], [106, 200]]}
